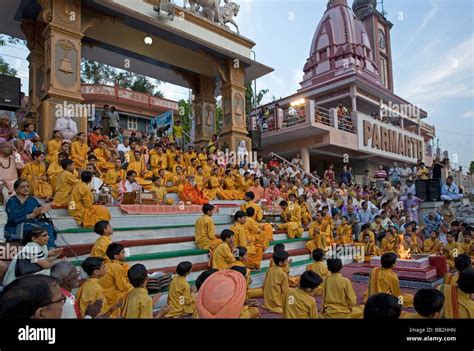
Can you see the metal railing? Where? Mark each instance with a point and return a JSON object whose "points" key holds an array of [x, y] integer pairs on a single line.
{"points": [[302, 171], [291, 116], [345, 123], [321, 115]]}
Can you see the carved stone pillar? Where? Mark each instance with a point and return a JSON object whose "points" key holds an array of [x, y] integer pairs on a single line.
{"points": [[204, 108], [234, 129], [62, 53], [33, 31]]}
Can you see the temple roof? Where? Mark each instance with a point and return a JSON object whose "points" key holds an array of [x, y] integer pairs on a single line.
{"points": [[340, 46]]}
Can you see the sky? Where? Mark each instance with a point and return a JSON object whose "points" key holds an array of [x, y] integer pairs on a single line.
{"points": [[432, 53]]}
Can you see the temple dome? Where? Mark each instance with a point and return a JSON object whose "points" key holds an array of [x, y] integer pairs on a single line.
{"points": [[340, 45]]}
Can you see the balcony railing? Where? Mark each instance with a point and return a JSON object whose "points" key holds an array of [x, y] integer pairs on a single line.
{"points": [[321, 115], [291, 116], [126, 94]]}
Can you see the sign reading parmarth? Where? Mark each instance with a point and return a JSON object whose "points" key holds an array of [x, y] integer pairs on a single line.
{"points": [[387, 140]]}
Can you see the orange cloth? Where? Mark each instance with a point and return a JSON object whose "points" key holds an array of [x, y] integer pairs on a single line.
{"points": [[222, 295]]}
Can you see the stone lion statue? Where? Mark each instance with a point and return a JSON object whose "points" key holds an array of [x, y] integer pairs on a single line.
{"points": [[210, 9], [228, 12]]}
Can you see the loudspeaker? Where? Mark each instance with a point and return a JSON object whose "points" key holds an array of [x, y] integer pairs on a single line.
{"points": [[428, 190], [434, 190], [421, 189], [256, 137], [9, 93]]}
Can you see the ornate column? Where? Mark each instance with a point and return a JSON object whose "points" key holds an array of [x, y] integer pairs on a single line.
{"points": [[234, 129], [33, 31], [62, 52], [204, 108]]}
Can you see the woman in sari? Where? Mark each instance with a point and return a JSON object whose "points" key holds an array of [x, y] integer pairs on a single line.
{"points": [[25, 212]]}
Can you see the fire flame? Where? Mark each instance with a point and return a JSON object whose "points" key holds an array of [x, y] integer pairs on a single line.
{"points": [[403, 254]]}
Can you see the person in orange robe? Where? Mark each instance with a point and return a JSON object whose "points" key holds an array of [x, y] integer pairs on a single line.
{"points": [[192, 193]]}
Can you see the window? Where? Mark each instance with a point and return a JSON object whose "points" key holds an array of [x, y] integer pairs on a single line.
{"points": [[132, 123], [384, 72]]}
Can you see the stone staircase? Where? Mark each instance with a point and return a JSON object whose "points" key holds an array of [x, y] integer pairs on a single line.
{"points": [[160, 242]]}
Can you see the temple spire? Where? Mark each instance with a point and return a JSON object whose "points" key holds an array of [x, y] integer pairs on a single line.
{"points": [[337, 2]]}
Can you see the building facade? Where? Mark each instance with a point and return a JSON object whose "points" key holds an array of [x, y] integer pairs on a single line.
{"points": [[346, 110], [135, 109]]}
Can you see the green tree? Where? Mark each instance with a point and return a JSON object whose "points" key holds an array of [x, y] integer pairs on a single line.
{"points": [[5, 67], [251, 101], [471, 167], [184, 111]]}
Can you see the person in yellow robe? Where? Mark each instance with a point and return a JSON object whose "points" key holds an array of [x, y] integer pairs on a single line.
{"points": [[114, 176], [457, 298], [467, 244], [65, 182], [428, 304], [207, 168], [299, 302], [191, 169], [35, 173], [365, 229], [384, 279], [276, 283], [103, 157], [388, 243], [432, 245], [261, 233], [452, 249], [202, 156], [339, 298], [291, 218], [159, 190], [189, 155], [171, 157], [143, 174], [175, 181], [245, 183], [242, 239], [204, 229], [179, 162], [223, 256], [53, 147], [230, 185], [158, 159], [461, 263], [319, 267], [344, 233], [54, 169], [305, 211], [79, 151], [370, 248], [115, 281], [137, 303], [181, 300], [201, 180], [328, 222], [105, 231], [249, 202], [82, 208], [215, 188], [91, 290], [318, 232]]}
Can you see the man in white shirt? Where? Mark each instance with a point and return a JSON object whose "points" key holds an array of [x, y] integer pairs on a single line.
{"points": [[125, 147], [129, 184], [96, 182], [405, 173]]}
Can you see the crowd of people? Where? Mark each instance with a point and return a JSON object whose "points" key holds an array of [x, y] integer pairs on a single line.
{"points": [[89, 172]]}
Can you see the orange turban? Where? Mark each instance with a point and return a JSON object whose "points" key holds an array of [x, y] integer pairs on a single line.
{"points": [[222, 295]]}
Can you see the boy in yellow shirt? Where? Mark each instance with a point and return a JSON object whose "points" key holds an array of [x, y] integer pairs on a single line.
{"points": [[382, 306], [115, 281], [91, 290], [319, 267], [276, 283], [300, 302], [104, 229], [461, 263], [181, 299], [138, 304], [339, 298], [223, 256]]}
